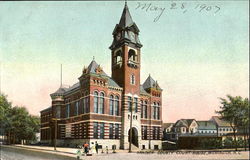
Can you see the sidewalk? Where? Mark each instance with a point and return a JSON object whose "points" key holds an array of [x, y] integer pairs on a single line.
{"points": [[65, 151]]}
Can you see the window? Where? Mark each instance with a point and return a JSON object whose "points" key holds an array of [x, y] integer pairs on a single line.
{"points": [[83, 105], [132, 55], [158, 132], [58, 112], [156, 112], [129, 103], [132, 79], [102, 130], [111, 105], [145, 108], [116, 131], [95, 130], [118, 57], [136, 104], [116, 105], [87, 105], [142, 110], [154, 132], [96, 102], [111, 135], [67, 110], [76, 108], [145, 129], [101, 103]]}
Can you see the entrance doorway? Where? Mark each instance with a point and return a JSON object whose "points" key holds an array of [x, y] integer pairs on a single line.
{"points": [[134, 136]]}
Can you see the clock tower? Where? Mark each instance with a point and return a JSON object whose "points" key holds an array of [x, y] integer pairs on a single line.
{"points": [[126, 65], [126, 56]]}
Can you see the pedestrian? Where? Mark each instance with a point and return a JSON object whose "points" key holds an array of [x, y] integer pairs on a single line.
{"points": [[86, 150], [93, 150], [96, 147]]}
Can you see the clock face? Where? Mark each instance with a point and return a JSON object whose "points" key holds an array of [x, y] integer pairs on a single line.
{"points": [[132, 36], [118, 36]]}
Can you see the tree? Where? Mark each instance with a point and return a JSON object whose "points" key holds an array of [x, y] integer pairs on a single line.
{"points": [[235, 111], [16, 122], [5, 121]]}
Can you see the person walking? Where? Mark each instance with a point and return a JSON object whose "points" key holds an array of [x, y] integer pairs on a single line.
{"points": [[92, 148], [86, 145], [96, 147]]}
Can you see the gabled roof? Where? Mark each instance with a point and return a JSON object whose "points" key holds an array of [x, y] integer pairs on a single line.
{"points": [[150, 83], [206, 125], [166, 125], [184, 122], [220, 122]]}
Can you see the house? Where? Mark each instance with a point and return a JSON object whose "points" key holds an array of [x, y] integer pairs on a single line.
{"points": [[207, 128], [100, 108], [223, 127], [167, 130], [184, 127]]}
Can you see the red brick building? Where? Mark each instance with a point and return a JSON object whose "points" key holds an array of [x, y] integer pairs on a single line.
{"points": [[98, 107]]}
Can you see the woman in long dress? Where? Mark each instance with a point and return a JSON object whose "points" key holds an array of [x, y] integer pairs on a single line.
{"points": [[92, 147]]}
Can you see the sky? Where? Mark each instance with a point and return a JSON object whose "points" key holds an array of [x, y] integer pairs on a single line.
{"points": [[198, 51]]}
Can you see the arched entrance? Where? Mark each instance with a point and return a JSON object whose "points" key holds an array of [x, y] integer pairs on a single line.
{"points": [[134, 136]]}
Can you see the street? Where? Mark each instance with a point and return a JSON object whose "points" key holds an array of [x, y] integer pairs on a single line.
{"points": [[18, 153], [7, 153]]}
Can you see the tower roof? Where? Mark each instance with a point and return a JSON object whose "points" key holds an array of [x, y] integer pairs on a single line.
{"points": [[95, 68], [151, 83], [126, 19]]}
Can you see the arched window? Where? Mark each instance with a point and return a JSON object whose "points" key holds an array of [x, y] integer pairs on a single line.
{"points": [[116, 105], [154, 108], [118, 57], [111, 105], [95, 102], [76, 108], [132, 55], [101, 103]]}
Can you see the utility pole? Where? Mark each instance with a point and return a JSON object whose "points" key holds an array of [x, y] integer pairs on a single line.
{"points": [[130, 131], [55, 134]]}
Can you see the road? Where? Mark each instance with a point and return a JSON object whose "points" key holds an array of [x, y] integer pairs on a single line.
{"points": [[10, 153], [7, 153]]}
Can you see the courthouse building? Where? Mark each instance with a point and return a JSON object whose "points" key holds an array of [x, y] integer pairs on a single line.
{"points": [[99, 107]]}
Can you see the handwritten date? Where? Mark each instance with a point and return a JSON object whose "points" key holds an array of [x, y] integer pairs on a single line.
{"points": [[183, 7]]}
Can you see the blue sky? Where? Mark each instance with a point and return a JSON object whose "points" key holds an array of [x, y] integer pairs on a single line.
{"points": [[196, 56]]}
